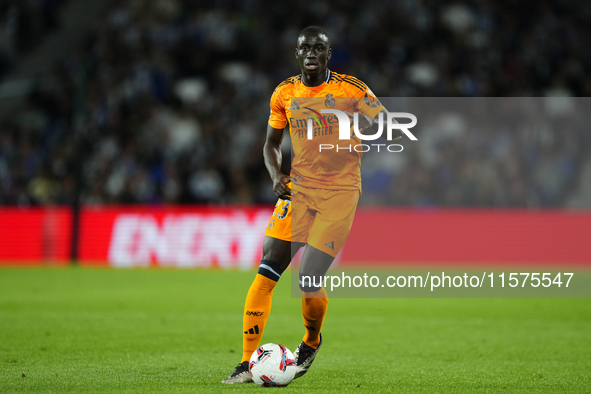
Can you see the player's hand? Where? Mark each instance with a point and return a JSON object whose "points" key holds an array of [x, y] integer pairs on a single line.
{"points": [[280, 186]]}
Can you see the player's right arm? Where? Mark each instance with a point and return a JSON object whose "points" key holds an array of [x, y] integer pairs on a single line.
{"points": [[273, 158], [272, 149]]}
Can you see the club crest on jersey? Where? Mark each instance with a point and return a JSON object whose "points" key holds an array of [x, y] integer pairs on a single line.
{"points": [[330, 101]]}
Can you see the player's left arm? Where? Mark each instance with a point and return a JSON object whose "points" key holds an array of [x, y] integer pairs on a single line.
{"points": [[370, 107]]}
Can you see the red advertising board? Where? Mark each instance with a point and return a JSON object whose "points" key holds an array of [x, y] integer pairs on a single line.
{"points": [[177, 236], [468, 236], [232, 237], [35, 236]]}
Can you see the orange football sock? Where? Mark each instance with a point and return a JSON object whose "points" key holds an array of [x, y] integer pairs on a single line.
{"points": [[256, 313], [314, 307]]}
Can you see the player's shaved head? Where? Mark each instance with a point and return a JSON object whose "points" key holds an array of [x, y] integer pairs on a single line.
{"points": [[314, 30]]}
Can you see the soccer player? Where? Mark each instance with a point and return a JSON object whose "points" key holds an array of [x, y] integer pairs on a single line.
{"points": [[317, 201]]}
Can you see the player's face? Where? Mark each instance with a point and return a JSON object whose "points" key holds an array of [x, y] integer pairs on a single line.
{"points": [[313, 52]]}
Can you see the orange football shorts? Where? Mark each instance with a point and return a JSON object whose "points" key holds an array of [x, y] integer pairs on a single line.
{"points": [[318, 217]]}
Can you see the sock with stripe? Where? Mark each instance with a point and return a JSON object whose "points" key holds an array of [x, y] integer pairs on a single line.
{"points": [[258, 306], [314, 305]]}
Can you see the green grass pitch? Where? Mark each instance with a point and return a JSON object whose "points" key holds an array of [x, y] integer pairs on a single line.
{"points": [[171, 331]]}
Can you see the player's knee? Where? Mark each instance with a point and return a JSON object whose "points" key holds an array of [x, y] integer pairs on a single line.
{"points": [[277, 251], [270, 270]]}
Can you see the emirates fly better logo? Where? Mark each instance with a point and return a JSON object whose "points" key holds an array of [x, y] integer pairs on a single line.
{"points": [[345, 133]]}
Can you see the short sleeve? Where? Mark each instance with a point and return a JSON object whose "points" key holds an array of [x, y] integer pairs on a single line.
{"points": [[277, 117]]}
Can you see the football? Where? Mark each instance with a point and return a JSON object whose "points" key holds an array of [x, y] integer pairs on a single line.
{"points": [[272, 365]]}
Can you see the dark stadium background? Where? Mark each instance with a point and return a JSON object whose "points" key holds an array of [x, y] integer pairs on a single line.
{"points": [[131, 135], [162, 105]]}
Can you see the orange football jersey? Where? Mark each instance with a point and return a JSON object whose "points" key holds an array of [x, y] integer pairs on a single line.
{"points": [[294, 103]]}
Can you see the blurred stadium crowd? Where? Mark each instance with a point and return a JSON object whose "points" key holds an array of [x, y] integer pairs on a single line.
{"points": [[23, 23], [175, 96]]}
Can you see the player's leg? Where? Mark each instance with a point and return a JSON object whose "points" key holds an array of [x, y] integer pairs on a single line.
{"points": [[277, 254], [335, 211], [315, 264]]}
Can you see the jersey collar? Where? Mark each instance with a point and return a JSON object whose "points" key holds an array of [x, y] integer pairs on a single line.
{"points": [[328, 75]]}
